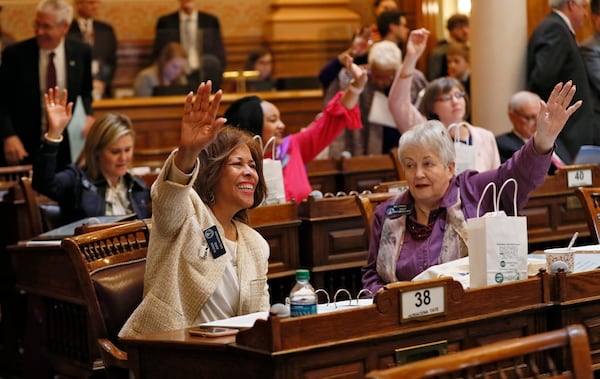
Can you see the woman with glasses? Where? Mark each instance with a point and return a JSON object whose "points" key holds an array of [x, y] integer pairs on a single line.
{"points": [[445, 100], [426, 225]]}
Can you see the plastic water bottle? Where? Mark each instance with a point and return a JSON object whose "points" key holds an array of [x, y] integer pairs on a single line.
{"points": [[303, 300]]}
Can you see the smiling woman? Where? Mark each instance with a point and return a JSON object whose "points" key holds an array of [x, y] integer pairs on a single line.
{"points": [[204, 262]]}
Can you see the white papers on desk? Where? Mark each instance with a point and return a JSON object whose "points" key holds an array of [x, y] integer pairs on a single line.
{"points": [[343, 305], [243, 321], [459, 269], [380, 113]]}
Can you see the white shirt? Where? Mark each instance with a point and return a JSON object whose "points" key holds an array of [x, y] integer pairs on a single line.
{"points": [[188, 30]]}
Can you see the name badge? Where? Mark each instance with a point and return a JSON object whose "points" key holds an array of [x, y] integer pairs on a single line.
{"points": [[213, 239], [395, 211]]}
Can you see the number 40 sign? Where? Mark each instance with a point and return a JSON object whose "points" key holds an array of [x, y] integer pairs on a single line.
{"points": [[423, 302]]}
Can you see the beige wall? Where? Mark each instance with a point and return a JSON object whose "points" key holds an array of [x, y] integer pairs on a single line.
{"points": [[134, 19]]}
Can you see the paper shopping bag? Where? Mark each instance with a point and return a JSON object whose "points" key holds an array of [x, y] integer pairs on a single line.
{"points": [[497, 244], [273, 174], [465, 154]]}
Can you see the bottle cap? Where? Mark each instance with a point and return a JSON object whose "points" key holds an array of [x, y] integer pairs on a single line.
{"points": [[302, 274]]}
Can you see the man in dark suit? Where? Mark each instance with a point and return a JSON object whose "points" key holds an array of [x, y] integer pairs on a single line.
{"points": [[523, 108], [101, 36], [553, 56], [24, 76], [200, 35]]}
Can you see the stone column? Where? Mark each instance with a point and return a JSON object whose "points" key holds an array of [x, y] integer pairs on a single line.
{"points": [[498, 60]]}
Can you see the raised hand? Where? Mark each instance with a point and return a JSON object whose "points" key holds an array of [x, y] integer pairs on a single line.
{"points": [[359, 74], [199, 125], [58, 112], [553, 115], [417, 42]]}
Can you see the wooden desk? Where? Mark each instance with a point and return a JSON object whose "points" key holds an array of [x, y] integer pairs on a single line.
{"points": [[553, 211], [348, 343], [577, 298], [332, 242], [157, 120]]}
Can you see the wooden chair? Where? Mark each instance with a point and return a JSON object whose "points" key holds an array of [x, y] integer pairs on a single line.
{"points": [[109, 264], [397, 165], [590, 202], [43, 214], [563, 353], [12, 174], [367, 204]]}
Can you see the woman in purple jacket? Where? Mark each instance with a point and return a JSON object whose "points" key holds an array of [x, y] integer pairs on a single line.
{"points": [[426, 225]]}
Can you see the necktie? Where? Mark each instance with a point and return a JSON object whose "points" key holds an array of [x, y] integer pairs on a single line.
{"points": [[187, 37], [88, 32], [50, 72]]}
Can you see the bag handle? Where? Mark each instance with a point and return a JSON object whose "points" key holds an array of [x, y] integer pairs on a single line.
{"points": [[458, 125], [264, 147], [514, 195], [490, 184]]}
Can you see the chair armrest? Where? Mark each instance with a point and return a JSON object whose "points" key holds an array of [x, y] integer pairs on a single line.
{"points": [[112, 355]]}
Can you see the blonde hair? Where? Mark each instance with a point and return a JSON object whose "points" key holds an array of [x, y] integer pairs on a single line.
{"points": [[104, 131]]}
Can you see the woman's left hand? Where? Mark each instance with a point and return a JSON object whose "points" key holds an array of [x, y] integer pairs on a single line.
{"points": [[553, 116]]}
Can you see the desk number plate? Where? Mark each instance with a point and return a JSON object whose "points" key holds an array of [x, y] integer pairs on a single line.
{"points": [[579, 178], [423, 302]]}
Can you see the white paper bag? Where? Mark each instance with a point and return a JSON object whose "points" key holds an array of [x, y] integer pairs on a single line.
{"points": [[497, 243], [465, 154], [273, 174]]}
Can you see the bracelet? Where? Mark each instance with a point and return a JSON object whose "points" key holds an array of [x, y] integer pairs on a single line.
{"points": [[52, 140], [355, 90]]}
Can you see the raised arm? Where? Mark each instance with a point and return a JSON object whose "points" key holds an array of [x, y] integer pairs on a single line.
{"points": [[405, 114], [553, 115], [359, 80], [199, 125]]}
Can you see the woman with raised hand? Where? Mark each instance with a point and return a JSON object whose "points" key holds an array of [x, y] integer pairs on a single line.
{"points": [[204, 262], [99, 183], [445, 100], [426, 225]]}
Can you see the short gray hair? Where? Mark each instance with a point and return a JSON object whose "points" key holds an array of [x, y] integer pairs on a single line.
{"points": [[519, 98], [430, 135], [62, 9], [385, 54]]}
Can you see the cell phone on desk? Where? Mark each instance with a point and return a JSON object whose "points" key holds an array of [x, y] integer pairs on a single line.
{"points": [[212, 331]]}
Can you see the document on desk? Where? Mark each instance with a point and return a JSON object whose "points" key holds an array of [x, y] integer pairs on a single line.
{"points": [[243, 321]]}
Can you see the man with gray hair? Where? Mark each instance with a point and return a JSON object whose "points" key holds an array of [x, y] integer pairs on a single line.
{"points": [[28, 69], [553, 56], [523, 108]]}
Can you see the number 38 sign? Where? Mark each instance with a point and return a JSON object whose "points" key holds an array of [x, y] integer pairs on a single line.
{"points": [[423, 302]]}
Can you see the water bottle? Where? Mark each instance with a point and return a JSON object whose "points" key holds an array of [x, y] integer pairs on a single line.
{"points": [[303, 300]]}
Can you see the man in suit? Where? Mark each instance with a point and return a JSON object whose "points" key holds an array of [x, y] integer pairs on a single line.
{"points": [[553, 56], [458, 31], [200, 35], [101, 36], [590, 50], [523, 108], [24, 78]]}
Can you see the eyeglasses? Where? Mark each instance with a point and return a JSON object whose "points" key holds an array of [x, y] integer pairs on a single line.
{"points": [[525, 117], [448, 97]]}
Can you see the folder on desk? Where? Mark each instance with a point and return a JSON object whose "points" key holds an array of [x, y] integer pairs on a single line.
{"points": [[68, 230], [588, 154]]}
